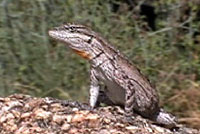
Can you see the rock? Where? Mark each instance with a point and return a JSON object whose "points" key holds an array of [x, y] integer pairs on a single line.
{"points": [[23, 114]]}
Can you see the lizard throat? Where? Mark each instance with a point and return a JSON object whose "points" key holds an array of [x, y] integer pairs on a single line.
{"points": [[83, 54]]}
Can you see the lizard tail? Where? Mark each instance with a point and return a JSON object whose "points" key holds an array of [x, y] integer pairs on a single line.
{"points": [[165, 119]]}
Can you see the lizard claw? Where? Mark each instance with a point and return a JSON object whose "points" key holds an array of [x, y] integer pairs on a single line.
{"points": [[87, 107]]}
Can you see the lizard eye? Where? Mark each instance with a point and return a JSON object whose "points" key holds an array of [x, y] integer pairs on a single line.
{"points": [[90, 39], [72, 29]]}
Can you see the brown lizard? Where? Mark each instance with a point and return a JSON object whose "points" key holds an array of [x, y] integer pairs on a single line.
{"points": [[126, 85]]}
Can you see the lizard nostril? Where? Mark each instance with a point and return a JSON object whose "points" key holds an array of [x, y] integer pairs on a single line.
{"points": [[66, 26]]}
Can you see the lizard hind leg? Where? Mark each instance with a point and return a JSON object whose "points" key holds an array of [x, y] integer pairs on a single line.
{"points": [[129, 105]]}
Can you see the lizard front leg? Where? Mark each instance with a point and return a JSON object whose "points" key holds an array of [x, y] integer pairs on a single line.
{"points": [[94, 88]]}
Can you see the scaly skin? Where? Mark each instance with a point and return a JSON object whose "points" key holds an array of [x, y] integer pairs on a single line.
{"points": [[126, 86]]}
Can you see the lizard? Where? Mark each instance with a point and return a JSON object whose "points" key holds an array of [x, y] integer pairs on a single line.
{"points": [[125, 85]]}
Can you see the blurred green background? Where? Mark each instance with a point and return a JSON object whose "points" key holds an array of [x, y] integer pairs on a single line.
{"points": [[162, 37]]}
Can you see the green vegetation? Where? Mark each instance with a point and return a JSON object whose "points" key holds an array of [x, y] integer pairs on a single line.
{"points": [[32, 64]]}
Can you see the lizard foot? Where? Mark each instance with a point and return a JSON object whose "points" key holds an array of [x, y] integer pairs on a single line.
{"points": [[128, 120]]}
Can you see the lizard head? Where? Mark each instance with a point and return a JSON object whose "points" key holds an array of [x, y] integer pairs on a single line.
{"points": [[79, 38]]}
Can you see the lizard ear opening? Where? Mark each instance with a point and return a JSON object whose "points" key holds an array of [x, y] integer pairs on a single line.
{"points": [[90, 39]]}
